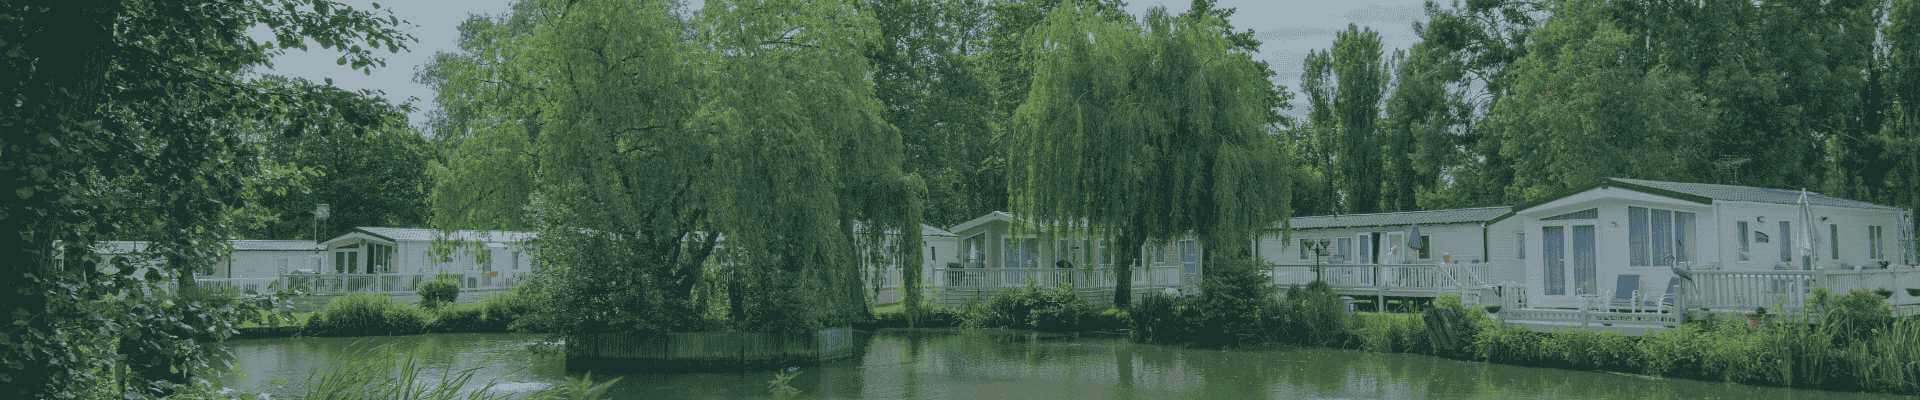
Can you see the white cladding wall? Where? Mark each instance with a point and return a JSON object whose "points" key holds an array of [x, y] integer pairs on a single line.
{"points": [[1462, 241], [1611, 250], [1852, 225], [1716, 227], [267, 263]]}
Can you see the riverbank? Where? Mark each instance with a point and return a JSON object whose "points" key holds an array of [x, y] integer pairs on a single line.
{"points": [[995, 363], [1854, 345]]}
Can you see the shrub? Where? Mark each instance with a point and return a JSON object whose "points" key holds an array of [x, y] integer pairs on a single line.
{"points": [[1450, 327], [441, 290], [1054, 309], [367, 314], [1393, 333], [1230, 301], [1158, 318], [462, 318], [1317, 315], [508, 310]]}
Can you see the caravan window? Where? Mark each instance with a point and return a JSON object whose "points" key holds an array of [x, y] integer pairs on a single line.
{"points": [[1786, 241], [1657, 237], [1875, 248], [1741, 226], [1341, 249], [1426, 247], [1833, 240]]}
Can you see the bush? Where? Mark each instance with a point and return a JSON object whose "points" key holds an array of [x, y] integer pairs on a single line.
{"points": [[1392, 333], [1054, 310], [439, 291], [507, 311], [1230, 302], [1312, 316], [367, 314], [462, 318], [1158, 318]]}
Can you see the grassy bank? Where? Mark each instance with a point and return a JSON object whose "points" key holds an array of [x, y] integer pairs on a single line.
{"points": [[1854, 345], [376, 314]]}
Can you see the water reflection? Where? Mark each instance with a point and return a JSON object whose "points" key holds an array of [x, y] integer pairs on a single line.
{"points": [[969, 365]]}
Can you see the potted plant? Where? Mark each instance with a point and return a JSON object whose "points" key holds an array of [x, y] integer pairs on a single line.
{"points": [[1493, 309], [1915, 292]]}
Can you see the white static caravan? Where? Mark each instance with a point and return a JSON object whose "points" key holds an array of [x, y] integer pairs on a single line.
{"points": [[246, 259], [269, 259], [409, 252], [1001, 252], [1624, 239], [1458, 235], [885, 283]]}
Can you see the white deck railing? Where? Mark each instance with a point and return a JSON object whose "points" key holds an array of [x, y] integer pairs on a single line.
{"points": [[1788, 290], [1102, 277], [1399, 278], [353, 283]]}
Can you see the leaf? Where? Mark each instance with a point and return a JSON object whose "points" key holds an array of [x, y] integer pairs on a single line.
{"points": [[340, 61]]}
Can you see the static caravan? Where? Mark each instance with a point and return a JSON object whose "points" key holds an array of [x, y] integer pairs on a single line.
{"points": [[884, 275], [1456, 235], [410, 252], [999, 251], [270, 258], [1641, 240], [246, 259]]}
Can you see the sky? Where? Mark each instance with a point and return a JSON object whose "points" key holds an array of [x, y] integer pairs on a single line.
{"points": [[1287, 28]]}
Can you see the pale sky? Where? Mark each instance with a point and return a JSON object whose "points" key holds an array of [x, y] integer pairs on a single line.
{"points": [[1288, 28]]}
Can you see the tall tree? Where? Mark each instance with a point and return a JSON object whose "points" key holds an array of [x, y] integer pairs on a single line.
{"points": [[1100, 142], [930, 72], [1362, 78], [657, 135], [136, 120], [1580, 91], [1422, 117]]}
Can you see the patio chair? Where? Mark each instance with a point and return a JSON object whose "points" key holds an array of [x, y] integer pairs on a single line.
{"points": [[1671, 300], [1626, 288]]}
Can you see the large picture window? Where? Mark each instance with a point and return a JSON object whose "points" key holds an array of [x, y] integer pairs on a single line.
{"points": [[1658, 237]]}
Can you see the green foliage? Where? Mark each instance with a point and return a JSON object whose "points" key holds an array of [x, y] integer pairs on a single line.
{"points": [[375, 373], [141, 120], [442, 290], [752, 124], [1051, 309], [1158, 318], [1230, 302], [1148, 130], [367, 314]]}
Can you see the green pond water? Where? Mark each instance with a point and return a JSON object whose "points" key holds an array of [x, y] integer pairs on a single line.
{"points": [[996, 365]]}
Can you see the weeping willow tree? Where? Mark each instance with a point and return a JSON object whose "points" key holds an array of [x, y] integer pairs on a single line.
{"points": [[654, 143], [1148, 131]]}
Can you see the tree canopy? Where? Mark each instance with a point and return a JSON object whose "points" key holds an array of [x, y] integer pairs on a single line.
{"points": [[1146, 131]]}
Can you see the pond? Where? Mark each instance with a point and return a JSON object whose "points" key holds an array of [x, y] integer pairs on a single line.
{"points": [[999, 364]]}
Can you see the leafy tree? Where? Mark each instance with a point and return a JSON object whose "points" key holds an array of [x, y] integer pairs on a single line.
{"points": [[1100, 143], [137, 120], [654, 135], [1362, 78], [357, 156], [1575, 96]]}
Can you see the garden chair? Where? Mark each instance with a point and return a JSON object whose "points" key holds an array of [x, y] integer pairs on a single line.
{"points": [[1626, 290]]}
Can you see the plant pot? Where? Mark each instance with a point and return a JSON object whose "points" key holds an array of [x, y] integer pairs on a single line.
{"points": [[1493, 309], [1915, 292]]}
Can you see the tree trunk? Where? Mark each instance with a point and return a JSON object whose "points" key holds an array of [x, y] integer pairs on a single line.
{"points": [[1123, 269]]}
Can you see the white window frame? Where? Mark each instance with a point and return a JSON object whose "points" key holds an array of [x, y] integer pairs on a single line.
{"points": [[1681, 244], [1745, 237]]}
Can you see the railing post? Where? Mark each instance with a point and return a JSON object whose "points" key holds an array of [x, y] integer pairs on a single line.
{"points": [[1380, 290]]}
